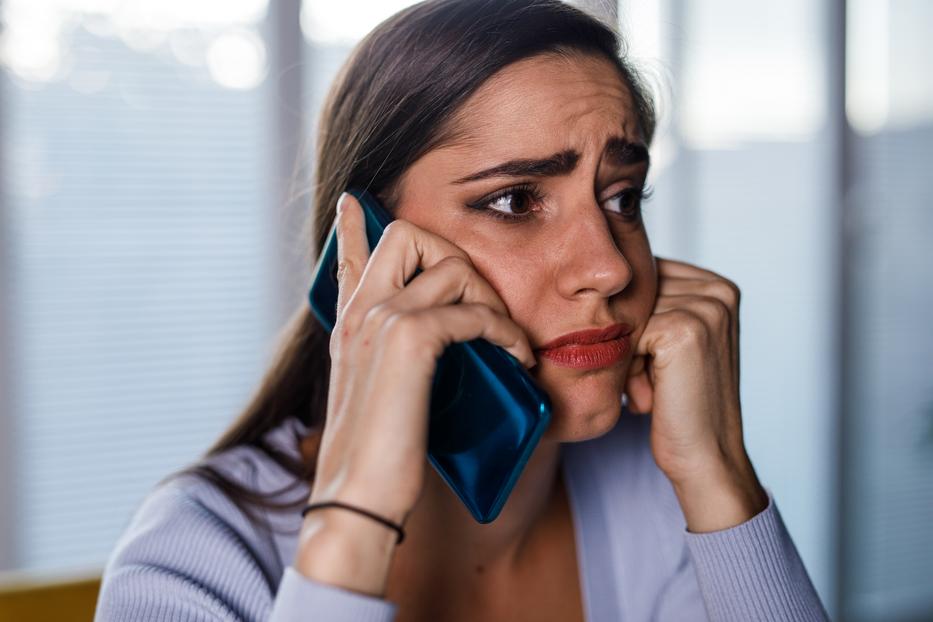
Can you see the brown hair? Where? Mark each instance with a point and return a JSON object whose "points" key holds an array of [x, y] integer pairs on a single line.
{"points": [[393, 100]]}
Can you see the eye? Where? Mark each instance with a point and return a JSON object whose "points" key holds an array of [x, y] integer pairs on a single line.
{"points": [[627, 203], [512, 204], [516, 203]]}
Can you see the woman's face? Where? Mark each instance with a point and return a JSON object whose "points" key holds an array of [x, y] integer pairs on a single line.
{"points": [[575, 257]]}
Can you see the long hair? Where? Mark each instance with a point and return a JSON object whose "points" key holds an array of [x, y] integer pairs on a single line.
{"points": [[392, 101]]}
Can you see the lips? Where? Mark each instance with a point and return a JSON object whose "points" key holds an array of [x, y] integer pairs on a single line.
{"points": [[589, 336], [590, 348]]}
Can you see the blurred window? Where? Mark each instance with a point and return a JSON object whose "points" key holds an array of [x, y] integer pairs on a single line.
{"points": [[136, 216], [888, 569]]}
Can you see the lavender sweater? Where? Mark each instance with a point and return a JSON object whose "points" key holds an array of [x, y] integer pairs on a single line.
{"points": [[189, 554]]}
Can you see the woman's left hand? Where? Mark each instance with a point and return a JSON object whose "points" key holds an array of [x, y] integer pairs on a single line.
{"points": [[685, 372]]}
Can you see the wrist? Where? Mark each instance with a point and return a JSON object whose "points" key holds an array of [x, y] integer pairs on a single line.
{"points": [[721, 497], [346, 549]]}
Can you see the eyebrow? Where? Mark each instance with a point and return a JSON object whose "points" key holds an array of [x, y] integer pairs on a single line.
{"points": [[619, 150]]}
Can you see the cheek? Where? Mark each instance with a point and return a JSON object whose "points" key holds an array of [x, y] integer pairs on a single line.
{"points": [[644, 285], [513, 275], [650, 270], [516, 279], [646, 272]]}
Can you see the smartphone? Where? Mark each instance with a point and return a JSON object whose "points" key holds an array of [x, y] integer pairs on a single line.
{"points": [[487, 414]]}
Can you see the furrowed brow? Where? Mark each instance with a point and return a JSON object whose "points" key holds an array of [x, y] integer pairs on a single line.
{"points": [[620, 151], [557, 164]]}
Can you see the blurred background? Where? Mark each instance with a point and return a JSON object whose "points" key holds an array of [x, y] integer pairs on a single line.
{"points": [[150, 250]]}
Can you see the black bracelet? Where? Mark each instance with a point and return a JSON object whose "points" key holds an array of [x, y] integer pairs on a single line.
{"points": [[384, 521]]}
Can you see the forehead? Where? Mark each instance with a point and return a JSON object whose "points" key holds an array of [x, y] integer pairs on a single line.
{"points": [[547, 101]]}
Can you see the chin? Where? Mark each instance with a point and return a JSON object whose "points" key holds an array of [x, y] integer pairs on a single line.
{"points": [[576, 425], [582, 407]]}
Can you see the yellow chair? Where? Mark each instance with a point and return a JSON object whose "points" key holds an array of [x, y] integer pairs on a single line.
{"points": [[25, 598]]}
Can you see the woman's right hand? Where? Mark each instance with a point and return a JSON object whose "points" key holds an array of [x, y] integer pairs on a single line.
{"points": [[384, 349]]}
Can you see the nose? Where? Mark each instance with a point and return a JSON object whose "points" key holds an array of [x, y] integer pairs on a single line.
{"points": [[591, 260]]}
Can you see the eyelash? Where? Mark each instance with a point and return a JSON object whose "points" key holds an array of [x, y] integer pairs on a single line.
{"points": [[533, 192]]}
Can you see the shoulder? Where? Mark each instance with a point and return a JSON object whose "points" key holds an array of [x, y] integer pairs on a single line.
{"points": [[190, 550], [185, 548]]}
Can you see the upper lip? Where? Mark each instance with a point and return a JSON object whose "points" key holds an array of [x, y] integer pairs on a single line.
{"points": [[588, 336]]}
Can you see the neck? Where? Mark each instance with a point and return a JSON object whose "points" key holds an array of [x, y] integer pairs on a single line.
{"points": [[444, 535]]}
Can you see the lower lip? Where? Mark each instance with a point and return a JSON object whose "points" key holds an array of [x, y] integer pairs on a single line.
{"points": [[590, 356]]}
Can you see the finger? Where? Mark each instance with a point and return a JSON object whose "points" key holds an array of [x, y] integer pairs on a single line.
{"points": [[449, 281], [719, 289], [675, 268], [662, 325], [465, 321], [637, 365], [640, 393], [352, 248], [715, 315], [711, 310], [403, 247], [716, 288]]}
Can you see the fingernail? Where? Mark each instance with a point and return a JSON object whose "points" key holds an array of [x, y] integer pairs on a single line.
{"points": [[341, 201]]}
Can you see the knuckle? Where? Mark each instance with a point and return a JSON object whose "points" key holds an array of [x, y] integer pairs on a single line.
{"points": [[456, 262], [736, 295], [348, 318], [460, 254], [490, 315], [451, 251], [457, 268], [479, 309], [379, 314], [727, 291], [402, 328], [692, 327], [719, 309], [344, 328], [396, 229]]}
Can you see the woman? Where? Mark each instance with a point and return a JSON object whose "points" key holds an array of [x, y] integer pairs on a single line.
{"points": [[509, 139]]}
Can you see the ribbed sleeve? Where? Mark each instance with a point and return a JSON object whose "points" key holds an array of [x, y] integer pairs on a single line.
{"points": [[186, 556], [189, 555], [753, 572], [299, 595]]}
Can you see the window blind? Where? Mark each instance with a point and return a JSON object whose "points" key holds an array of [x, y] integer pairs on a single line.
{"points": [[140, 294]]}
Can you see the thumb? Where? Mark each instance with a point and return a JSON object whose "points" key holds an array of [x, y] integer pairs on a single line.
{"points": [[638, 388], [637, 366]]}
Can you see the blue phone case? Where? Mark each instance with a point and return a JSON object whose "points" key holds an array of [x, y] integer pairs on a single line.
{"points": [[486, 415]]}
